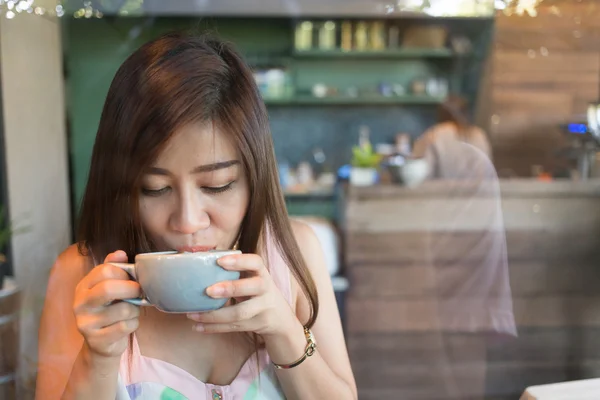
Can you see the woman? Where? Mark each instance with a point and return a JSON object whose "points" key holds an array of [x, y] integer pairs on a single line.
{"points": [[453, 146], [465, 242], [184, 160]]}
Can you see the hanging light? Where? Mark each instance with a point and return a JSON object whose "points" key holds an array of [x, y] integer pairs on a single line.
{"points": [[520, 7], [12, 8], [464, 7]]}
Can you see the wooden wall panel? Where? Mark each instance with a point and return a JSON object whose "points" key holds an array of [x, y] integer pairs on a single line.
{"points": [[545, 71], [405, 324]]}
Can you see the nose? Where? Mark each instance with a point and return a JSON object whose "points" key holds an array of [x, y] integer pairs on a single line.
{"points": [[190, 215]]}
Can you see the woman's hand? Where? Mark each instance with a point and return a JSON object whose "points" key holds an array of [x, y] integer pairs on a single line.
{"points": [[106, 326], [261, 307]]}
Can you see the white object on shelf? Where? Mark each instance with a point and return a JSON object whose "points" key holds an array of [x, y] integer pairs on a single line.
{"points": [[304, 174], [588, 389], [363, 176], [340, 284], [275, 82], [414, 171]]}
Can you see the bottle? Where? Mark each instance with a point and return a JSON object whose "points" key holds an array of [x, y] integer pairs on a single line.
{"points": [[304, 36], [284, 174], [319, 159], [304, 175], [377, 36], [403, 145], [393, 37], [346, 28], [361, 36], [327, 36], [363, 136]]}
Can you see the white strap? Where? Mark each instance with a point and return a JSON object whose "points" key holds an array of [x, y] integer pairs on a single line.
{"points": [[122, 393]]}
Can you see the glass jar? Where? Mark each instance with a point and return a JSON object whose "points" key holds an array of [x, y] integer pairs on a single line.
{"points": [[327, 36], [304, 36]]}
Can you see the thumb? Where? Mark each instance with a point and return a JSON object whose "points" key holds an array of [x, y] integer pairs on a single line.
{"points": [[117, 256]]}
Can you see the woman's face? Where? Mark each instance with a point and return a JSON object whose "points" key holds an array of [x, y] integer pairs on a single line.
{"points": [[195, 195]]}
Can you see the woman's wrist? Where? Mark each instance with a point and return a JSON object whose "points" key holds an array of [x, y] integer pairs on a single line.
{"points": [[99, 364], [92, 376], [289, 345]]}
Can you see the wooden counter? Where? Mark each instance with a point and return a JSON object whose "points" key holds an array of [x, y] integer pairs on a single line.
{"points": [[401, 346]]}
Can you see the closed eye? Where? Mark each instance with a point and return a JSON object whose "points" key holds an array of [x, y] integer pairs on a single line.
{"points": [[156, 192], [217, 189]]}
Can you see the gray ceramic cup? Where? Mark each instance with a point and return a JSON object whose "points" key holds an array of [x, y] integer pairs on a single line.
{"points": [[176, 282]]}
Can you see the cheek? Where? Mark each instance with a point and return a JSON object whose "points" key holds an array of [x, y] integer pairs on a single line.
{"points": [[244, 200], [151, 217], [229, 214]]}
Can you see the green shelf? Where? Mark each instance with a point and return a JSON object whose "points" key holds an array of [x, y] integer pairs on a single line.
{"points": [[304, 196], [257, 61], [371, 100], [370, 54]]}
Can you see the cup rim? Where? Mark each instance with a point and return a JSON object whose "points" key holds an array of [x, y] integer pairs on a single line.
{"points": [[174, 253]]}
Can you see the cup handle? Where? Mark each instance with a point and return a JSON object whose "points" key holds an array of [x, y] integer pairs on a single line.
{"points": [[130, 269]]}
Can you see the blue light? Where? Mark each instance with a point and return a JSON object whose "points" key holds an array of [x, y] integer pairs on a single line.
{"points": [[578, 128]]}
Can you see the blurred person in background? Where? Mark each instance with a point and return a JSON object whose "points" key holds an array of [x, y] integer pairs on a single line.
{"points": [[184, 160], [466, 251], [446, 145]]}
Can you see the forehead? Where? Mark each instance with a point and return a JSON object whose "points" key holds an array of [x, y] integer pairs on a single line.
{"points": [[197, 144]]}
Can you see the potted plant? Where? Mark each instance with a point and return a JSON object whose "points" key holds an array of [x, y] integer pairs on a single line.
{"points": [[364, 165], [9, 315], [6, 232], [4, 237]]}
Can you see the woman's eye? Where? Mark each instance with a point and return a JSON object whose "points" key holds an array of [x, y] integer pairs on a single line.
{"points": [[217, 189], [155, 192]]}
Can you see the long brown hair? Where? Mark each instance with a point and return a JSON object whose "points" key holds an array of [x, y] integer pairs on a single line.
{"points": [[169, 82]]}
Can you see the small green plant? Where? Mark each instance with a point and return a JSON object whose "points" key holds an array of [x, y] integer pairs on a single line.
{"points": [[364, 157], [6, 231]]}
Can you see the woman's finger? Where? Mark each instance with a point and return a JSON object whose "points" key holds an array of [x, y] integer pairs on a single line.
{"points": [[235, 314], [101, 273], [117, 256], [221, 328], [244, 262], [108, 291], [117, 312], [117, 330], [247, 287]]}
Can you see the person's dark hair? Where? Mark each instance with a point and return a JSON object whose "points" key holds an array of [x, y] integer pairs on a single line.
{"points": [[169, 82]]}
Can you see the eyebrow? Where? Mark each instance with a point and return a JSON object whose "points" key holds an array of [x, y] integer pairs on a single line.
{"points": [[199, 169]]}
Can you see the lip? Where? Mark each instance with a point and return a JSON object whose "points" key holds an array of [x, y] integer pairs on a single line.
{"points": [[195, 249]]}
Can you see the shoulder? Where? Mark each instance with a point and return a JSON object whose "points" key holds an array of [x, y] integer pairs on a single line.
{"points": [[480, 140], [478, 133], [314, 258], [70, 267], [310, 246], [68, 270], [440, 131], [304, 235], [72, 254], [59, 343]]}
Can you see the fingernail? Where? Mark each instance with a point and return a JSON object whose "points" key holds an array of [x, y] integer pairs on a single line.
{"points": [[198, 327], [227, 261], [193, 316], [215, 291]]}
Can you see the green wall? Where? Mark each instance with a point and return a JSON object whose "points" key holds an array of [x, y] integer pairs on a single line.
{"points": [[95, 48]]}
